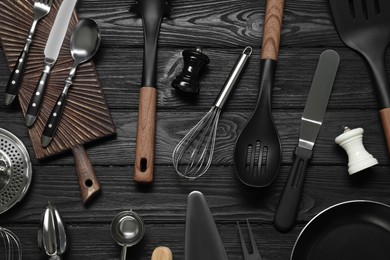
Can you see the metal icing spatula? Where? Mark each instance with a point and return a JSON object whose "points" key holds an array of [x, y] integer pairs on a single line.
{"points": [[202, 238], [311, 122]]}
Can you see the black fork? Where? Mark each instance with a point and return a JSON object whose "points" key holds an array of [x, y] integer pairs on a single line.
{"points": [[255, 255]]}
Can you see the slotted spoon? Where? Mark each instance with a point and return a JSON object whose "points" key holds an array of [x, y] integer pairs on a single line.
{"points": [[364, 25], [257, 152]]}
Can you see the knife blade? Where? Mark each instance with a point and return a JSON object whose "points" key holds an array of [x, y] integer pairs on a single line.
{"points": [[202, 240], [51, 52], [311, 122]]}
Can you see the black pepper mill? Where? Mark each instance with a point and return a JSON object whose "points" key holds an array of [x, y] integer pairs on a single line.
{"points": [[187, 82]]}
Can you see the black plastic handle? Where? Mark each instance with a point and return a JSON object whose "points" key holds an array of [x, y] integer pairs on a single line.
{"points": [[54, 120], [382, 83], [287, 209], [152, 12], [13, 85], [36, 99]]}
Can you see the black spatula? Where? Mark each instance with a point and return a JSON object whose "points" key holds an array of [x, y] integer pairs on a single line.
{"points": [[364, 25]]}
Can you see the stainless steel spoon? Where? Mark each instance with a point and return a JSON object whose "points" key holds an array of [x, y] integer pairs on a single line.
{"points": [[127, 229], [84, 43]]}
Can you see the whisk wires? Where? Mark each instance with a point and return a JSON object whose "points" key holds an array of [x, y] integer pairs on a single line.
{"points": [[12, 248], [193, 154]]}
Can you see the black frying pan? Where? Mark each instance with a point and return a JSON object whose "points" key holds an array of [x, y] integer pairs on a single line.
{"points": [[352, 230]]}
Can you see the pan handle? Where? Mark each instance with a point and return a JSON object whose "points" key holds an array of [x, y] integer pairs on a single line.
{"points": [[146, 128], [287, 209], [88, 182], [272, 29]]}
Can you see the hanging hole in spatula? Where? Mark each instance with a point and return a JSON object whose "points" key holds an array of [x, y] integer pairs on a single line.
{"points": [[144, 164]]}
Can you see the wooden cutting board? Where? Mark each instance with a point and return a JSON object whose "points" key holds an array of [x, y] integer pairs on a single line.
{"points": [[86, 116]]}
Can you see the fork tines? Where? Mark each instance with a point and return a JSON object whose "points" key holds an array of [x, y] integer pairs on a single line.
{"points": [[255, 255]]}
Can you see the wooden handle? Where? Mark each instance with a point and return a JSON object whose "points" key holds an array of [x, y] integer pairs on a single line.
{"points": [[144, 151], [88, 182], [385, 117], [162, 253], [272, 29]]}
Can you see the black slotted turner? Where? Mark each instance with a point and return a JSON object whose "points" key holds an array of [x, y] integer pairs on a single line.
{"points": [[364, 25]]}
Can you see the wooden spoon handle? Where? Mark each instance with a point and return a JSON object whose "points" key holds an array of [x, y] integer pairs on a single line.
{"points": [[272, 29], [162, 253], [144, 151], [385, 117], [88, 182]]}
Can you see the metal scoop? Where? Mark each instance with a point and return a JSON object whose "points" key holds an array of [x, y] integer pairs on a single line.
{"points": [[84, 43], [127, 229]]}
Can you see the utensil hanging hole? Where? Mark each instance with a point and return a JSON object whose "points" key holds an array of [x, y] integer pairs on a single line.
{"points": [[143, 164], [248, 165], [352, 9], [88, 183]]}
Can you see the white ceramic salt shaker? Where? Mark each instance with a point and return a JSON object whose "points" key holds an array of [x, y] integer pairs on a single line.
{"points": [[358, 157]]}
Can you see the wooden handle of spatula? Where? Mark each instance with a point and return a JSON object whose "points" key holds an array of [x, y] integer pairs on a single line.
{"points": [[88, 182], [146, 128], [272, 29], [385, 117], [162, 253]]}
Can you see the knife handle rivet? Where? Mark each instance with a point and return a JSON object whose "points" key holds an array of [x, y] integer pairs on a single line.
{"points": [[351, 140]]}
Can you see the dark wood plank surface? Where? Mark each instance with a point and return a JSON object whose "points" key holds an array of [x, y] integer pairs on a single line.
{"points": [[223, 29]]}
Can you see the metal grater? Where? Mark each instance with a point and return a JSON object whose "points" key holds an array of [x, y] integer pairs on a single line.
{"points": [[15, 170]]}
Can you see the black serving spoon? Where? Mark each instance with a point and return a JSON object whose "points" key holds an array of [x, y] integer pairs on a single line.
{"points": [[258, 151]]}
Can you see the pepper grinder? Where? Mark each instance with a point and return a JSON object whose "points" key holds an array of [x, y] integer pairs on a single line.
{"points": [[358, 157], [195, 62]]}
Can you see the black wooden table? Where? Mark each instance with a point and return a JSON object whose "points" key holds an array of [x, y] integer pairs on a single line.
{"points": [[223, 29]]}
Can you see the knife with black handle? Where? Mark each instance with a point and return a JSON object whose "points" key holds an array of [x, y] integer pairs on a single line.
{"points": [[52, 50], [311, 122]]}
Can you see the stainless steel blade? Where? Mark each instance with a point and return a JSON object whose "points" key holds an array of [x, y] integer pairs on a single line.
{"points": [[58, 31], [318, 98]]}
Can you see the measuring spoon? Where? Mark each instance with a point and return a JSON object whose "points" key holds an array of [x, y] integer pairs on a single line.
{"points": [[127, 229]]}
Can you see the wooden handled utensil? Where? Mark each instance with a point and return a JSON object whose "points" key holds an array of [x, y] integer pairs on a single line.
{"points": [[365, 27], [152, 12], [258, 153], [162, 253]]}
